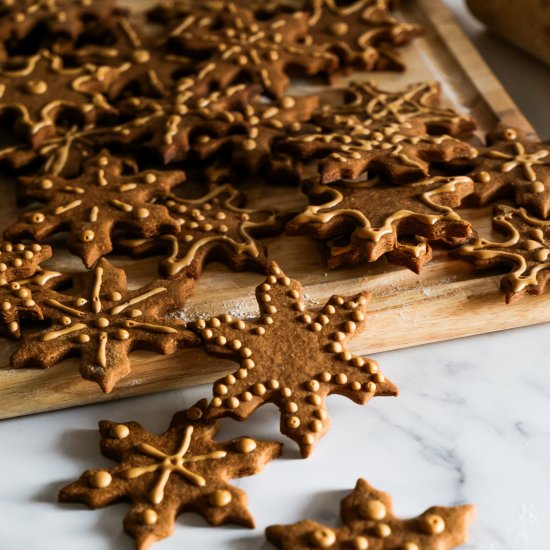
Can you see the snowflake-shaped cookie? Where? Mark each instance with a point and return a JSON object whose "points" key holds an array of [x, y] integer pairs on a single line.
{"points": [[182, 470], [526, 252], [292, 358], [93, 205], [369, 523], [103, 322]]}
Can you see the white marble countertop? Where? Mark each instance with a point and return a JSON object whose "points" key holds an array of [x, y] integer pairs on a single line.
{"points": [[472, 424]]}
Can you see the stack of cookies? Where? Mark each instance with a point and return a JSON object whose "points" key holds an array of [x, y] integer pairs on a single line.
{"points": [[112, 117]]}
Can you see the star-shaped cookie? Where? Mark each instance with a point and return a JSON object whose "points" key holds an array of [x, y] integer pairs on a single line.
{"points": [[378, 218], [39, 91], [525, 252], [238, 44], [182, 470], [363, 34], [213, 227], [102, 322], [516, 167], [369, 523], [364, 102], [293, 358], [93, 205], [400, 152], [167, 127]]}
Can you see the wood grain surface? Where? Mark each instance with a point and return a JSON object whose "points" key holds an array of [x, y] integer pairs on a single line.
{"points": [[448, 300]]}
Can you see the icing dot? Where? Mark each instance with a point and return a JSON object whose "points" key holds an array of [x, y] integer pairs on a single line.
{"points": [[6, 306], [102, 322], [335, 347], [149, 517], [246, 396], [235, 344], [248, 364], [357, 361], [358, 316], [241, 373], [411, 546], [233, 403], [370, 387], [259, 389], [355, 386], [323, 538], [341, 378], [37, 217], [316, 426], [245, 445], [141, 213], [220, 498], [326, 377], [13, 327], [65, 320], [314, 399], [432, 524], [246, 352], [46, 184], [122, 334], [339, 29], [194, 413], [291, 407], [100, 480], [114, 296], [221, 389], [373, 509], [382, 530], [308, 439], [87, 235], [273, 384], [83, 339], [135, 313], [120, 431], [315, 327], [293, 422], [79, 302], [378, 377], [360, 543], [286, 392], [216, 402], [313, 385]]}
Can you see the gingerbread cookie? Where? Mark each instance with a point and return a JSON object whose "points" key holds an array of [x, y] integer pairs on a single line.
{"points": [[369, 523], [213, 227], [50, 19], [400, 152], [379, 218], [151, 68], [166, 127], [247, 142], [516, 167], [102, 322], [237, 44], [95, 204], [526, 252], [292, 358], [362, 34], [363, 102], [20, 275], [39, 91], [182, 470]]}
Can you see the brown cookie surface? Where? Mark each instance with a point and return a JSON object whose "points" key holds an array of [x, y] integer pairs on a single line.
{"points": [[236, 44], [516, 167], [102, 322], [91, 206], [363, 34], [378, 218], [179, 471], [292, 358], [213, 227], [39, 91], [20, 274], [526, 251], [369, 523]]}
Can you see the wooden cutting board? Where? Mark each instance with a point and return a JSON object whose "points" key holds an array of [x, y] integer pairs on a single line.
{"points": [[448, 300]]}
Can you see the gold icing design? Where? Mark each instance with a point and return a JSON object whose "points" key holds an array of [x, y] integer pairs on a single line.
{"points": [[167, 464]]}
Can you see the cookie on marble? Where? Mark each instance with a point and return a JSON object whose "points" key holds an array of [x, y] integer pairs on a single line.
{"points": [[179, 471], [102, 322], [293, 358], [369, 523], [525, 252], [213, 228], [96, 203], [513, 166], [377, 219], [38, 91]]}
